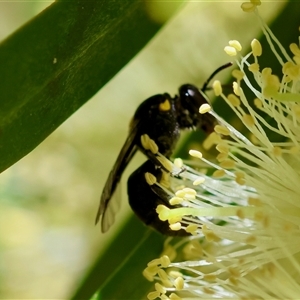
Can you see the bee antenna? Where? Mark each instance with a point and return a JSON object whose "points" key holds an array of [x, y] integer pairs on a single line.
{"points": [[227, 65]]}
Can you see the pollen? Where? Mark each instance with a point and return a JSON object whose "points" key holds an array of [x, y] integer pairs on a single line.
{"points": [[150, 178], [165, 106], [204, 108]]}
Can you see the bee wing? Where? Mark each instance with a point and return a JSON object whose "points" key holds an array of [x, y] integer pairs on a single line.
{"points": [[108, 206]]}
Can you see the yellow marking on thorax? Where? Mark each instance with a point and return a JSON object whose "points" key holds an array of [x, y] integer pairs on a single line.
{"points": [[165, 106]]}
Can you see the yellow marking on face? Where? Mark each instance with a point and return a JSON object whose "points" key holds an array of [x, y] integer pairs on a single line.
{"points": [[165, 106]]}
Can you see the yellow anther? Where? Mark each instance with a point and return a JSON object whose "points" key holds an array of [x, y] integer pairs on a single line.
{"points": [[163, 212], [218, 173], [222, 130], [160, 288], [248, 120], [179, 283], [238, 74], [236, 88], [222, 156], [162, 274], [231, 51], [150, 178], [174, 220], [145, 141], [277, 151], [234, 100], [248, 7], [173, 296], [199, 180], [178, 162], [165, 163], [223, 148], [240, 214], [217, 87], [195, 153], [254, 67], [240, 178], [153, 146], [235, 44], [228, 164], [153, 295], [254, 201], [295, 49], [204, 108], [256, 47], [192, 228], [175, 226], [176, 200], [258, 103], [165, 261]]}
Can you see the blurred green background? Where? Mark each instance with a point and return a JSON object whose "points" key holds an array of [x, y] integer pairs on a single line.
{"points": [[48, 200]]}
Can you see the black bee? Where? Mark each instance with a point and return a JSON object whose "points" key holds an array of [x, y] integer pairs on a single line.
{"points": [[161, 118]]}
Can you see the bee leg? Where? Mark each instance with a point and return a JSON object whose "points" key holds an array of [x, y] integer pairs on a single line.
{"points": [[144, 199]]}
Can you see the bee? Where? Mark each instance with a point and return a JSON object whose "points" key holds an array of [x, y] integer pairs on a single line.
{"points": [[160, 119]]}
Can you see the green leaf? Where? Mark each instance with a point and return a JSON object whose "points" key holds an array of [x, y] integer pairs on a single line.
{"points": [[55, 63], [118, 273]]}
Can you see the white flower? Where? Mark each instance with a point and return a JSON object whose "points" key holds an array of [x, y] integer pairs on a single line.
{"points": [[245, 217]]}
